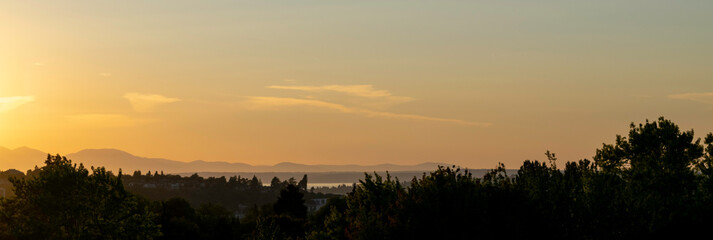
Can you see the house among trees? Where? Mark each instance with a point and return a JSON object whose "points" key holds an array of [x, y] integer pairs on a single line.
{"points": [[315, 204]]}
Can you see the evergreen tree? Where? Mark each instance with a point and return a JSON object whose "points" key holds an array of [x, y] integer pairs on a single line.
{"points": [[64, 201], [291, 202], [302, 185]]}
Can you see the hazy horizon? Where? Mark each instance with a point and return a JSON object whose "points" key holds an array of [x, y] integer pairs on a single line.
{"points": [[25, 158], [323, 82]]}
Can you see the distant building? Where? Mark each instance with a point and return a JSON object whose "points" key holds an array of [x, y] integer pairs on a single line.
{"points": [[242, 211], [315, 204], [239, 215]]}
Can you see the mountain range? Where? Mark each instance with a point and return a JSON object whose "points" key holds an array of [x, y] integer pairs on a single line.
{"points": [[24, 158]]}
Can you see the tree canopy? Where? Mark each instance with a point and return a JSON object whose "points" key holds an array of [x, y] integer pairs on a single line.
{"points": [[65, 201], [655, 182]]}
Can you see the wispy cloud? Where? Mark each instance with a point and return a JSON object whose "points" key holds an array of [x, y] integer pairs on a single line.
{"points": [[274, 103], [106, 120], [147, 102], [706, 97], [363, 91], [355, 90], [10, 103]]}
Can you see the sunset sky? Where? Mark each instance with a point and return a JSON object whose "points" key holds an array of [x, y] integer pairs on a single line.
{"points": [[471, 83]]}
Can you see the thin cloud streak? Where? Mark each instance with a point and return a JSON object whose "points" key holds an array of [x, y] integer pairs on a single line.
{"points": [[706, 97], [106, 120], [273, 103], [365, 91], [355, 90], [10, 103], [257, 103], [147, 102]]}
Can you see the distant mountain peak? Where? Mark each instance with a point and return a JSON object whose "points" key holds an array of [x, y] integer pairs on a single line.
{"points": [[21, 158], [115, 159], [107, 151], [286, 164], [26, 149]]}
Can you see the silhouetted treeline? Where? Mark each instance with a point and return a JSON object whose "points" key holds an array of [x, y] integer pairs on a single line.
{"points": [[655, 182], [237, 194], [340, 189], [64, 201]]}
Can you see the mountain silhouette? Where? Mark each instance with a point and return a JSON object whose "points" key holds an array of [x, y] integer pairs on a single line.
{"points": [[24, 158]]}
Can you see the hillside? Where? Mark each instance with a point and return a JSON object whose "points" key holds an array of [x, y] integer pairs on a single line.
{"points": [[113, 159]]}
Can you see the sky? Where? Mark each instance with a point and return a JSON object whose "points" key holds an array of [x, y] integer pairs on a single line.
{"points": [[470, 83]]}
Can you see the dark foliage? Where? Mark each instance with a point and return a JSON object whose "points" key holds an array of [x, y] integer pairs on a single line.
{"points": [[179, 220], [64, 201], [291, 203], [656, 182]]}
